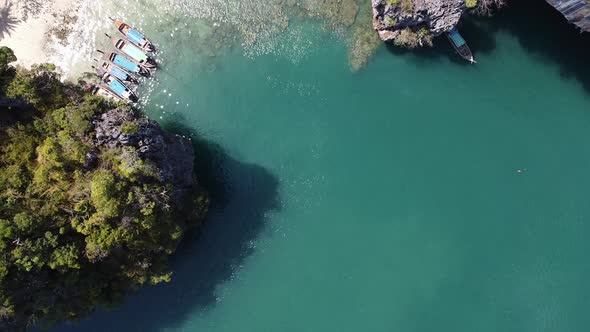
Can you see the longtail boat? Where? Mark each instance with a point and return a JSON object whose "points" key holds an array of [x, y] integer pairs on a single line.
{"points": [[114, 85], [108, 68], [460, 45], [125, 63], [134, 36], [133, 52], [100, 91]]}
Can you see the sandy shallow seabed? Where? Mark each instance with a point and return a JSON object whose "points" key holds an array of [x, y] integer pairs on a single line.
{"points": [[38, 30]]}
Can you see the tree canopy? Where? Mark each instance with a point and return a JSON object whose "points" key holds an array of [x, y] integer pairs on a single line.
{"points": [[80, 224]]}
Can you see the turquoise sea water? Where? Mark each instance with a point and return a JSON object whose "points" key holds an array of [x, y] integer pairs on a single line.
{"points": [[386, 199]]}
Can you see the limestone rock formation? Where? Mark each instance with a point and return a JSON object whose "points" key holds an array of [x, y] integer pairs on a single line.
{"points": [[172, 154], [432, 17]]}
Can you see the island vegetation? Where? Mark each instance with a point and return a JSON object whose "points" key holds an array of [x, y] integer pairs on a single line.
{"points": [[93, 198]]}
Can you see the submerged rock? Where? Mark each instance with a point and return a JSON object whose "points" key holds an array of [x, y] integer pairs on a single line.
{"points": [[363, 40], [395, 19]]}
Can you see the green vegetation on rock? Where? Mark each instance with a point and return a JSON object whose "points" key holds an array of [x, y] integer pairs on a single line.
{"points": [[471, 3], [82, 222], [390, 21], [412, 39], [405, 5]]}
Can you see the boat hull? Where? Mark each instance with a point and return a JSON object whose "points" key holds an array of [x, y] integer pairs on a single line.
{"points": [[115, 86], [130, 50], [102, 91], [126, 64], [134, 36], [134, 53], [460, 45], [111, 69]]}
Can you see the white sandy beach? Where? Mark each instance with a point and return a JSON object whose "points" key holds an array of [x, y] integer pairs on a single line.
{"points": [[29, 27]]}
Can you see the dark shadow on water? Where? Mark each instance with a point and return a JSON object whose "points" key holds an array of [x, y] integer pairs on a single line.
{"points": [[243, 195], [539, 29], [476, 31], [544, 32]]}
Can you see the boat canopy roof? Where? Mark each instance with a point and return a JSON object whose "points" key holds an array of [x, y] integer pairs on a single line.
{"points": [[456, 38], [134, 52], [118, 73], [125, 63], [117, 87], [102, 92], [136, 37]]}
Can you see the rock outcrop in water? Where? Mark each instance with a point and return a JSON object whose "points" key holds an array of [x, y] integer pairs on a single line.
{"points": [[576, 12], [398, 20]]}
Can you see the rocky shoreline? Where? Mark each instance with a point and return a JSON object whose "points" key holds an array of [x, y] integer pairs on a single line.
{"points": [[413, 23]]}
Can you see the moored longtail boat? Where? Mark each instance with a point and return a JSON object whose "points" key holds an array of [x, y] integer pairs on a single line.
{"points": [[100, 91], [125, 63], [117, 87], [460, 45], [134, 36], [133, 52], [108, 68]]}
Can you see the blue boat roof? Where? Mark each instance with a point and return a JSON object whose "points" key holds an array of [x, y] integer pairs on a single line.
{"points": [[125, 63], [134, 52], [117, 87], [456, 37], [118, 73], [135, 37]]}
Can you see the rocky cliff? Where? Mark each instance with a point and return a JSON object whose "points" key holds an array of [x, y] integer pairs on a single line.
{"points": [[173, 155], [414, 22], [576, 12]]}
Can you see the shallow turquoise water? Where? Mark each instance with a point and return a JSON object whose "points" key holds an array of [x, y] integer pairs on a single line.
{"points": [[382, 200]]}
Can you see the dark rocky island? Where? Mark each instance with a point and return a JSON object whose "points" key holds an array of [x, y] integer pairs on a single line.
{"points": [[94, 197]]}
